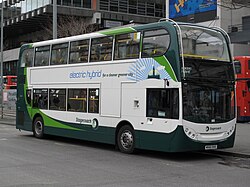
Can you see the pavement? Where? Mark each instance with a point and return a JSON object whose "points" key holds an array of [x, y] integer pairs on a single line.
{"points": [[241, 146]]}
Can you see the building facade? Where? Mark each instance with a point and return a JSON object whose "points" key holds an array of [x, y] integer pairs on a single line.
{"points": [[28, 23]]}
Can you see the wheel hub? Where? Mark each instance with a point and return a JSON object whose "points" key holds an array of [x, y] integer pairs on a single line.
{"points": [[127, 139], [38, 127]]}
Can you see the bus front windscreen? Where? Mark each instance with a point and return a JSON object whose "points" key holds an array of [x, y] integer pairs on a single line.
{"points": [[204, 43], [208, 103]]}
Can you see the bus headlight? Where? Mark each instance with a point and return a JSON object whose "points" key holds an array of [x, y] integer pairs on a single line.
{"points": [[230, 131], [190, 133]]}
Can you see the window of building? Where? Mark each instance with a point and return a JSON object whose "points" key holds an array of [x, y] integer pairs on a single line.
{"points": [[159, 10], [87, 3], [163, 103], [127, 46], [57, 99], [27, 57], [66, 2], [123, 6], [59, 54], [42, 56], [59, 2], [77, 100], [77, 3], [93, 102], [101, 49], [133, 6], [150, 9], [114, 5], [104, 5], [40, 98], [79, 51], [141, 7], [155, 43]]}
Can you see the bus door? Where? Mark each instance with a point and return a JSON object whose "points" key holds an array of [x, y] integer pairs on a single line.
{"points": [[23, 93]]}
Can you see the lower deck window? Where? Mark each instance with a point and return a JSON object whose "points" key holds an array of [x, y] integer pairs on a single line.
{"points": [[40, 98], [163, 103], [93, 101], [77, 100], [57, 99]]}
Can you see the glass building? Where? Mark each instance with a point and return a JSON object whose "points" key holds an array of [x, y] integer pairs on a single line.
{"points": [[29, 5]]}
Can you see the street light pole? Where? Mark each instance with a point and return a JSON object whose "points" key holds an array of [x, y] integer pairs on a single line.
{"points": [[54, 19], [2, 60], [167, 8]]}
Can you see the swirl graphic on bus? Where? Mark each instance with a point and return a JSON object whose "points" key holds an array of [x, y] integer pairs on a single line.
{"points": [[148, 68]]}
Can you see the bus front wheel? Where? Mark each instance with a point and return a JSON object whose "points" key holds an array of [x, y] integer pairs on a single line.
{"points": [[38, 128], [126, 139]]}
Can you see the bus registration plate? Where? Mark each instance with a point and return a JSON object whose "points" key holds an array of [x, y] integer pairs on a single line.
{"points": [[210, 147]]}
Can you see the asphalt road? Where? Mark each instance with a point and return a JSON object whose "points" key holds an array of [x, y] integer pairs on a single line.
{"points": [[29, 162]]}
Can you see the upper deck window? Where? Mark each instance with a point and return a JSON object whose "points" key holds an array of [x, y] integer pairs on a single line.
{"points": [[155, 42], [203, 43], [101, 49], [59, 54], [42, 56], [127, 46], [79, 51], [27, 57]]}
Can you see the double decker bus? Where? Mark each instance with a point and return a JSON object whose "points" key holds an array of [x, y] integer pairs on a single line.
{"points": [[9, 82], [243, 88], [160, 86]]}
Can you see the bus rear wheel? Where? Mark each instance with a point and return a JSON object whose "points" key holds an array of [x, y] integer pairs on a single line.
{"points": [[38, 128], [126, 139]]}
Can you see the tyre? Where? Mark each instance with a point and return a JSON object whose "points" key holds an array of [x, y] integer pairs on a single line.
{"points": [[126, 139], [38, 128]]}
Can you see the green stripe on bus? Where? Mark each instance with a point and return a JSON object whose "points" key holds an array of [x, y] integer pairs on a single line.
{"points": [[118, 31], [49, 122], [164, 62]]}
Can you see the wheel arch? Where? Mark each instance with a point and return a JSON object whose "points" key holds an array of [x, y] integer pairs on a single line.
{"points": [[34, 118]]}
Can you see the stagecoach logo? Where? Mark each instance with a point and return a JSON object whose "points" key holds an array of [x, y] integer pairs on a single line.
{"points": [[93, 123], [212, 128]]}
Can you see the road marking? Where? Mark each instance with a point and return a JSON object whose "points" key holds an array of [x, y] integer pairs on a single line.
{"points": [[3, 139]]}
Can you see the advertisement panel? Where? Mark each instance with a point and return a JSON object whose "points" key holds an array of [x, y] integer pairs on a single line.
{"points": [[180, 8]]}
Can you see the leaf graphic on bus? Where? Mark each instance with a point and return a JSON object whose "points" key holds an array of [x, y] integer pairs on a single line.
{"points": [[148, 68]]}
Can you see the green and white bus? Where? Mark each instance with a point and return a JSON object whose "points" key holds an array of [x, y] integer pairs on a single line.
{"points": [[160, 86]]}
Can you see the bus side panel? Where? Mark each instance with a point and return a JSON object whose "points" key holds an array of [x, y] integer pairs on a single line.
{"points": [[103, 134], [177, 141]]}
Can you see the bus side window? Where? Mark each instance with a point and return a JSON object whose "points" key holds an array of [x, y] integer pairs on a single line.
{"points": [[101, 49], [57, 99], [93, 101], [155, 43], [162, 103], [28, 97], [77, 100], [59, 54], [40, 98], [127, 46], [27, 57], [79, 51], [42, 56]]}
